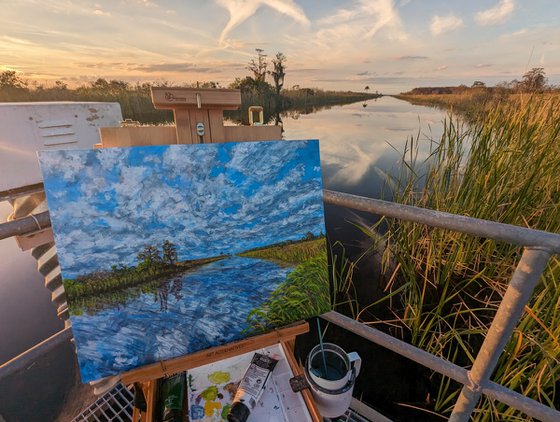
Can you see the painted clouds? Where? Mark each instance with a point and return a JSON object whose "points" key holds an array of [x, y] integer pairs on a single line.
{"points": [[107, 204]]}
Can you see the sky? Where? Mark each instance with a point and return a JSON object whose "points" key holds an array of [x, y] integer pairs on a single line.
{"points": [[389, 45], [106, 205]]}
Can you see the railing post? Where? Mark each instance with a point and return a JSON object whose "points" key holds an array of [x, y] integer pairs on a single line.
{"points": [[526, 276]]}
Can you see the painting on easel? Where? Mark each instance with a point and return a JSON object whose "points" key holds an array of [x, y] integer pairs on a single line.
{"points": [[168, 250]]}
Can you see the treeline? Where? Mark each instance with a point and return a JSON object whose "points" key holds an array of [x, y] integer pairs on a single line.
{"points": [[533, 81], [136, 102], [476, 101], [151, 264]]}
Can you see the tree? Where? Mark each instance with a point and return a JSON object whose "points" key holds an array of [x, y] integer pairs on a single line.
{"points": [[367, 88], [258, 66], [169, 252], [60, 85], [10, 79], [478, 84], [534, 80], [149, 257], [110, 87], [279, 71]]}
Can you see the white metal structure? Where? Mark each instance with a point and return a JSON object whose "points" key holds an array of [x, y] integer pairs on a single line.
{"points": [[28, 127]]}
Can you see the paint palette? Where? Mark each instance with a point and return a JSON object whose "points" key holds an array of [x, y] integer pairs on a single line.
{"points": [[211, 389]]}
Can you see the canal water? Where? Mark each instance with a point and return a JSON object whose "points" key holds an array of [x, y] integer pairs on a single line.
{"points": [[360, 143]]}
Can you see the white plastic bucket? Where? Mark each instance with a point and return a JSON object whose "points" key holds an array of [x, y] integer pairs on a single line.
{"points": [[332, 391]]}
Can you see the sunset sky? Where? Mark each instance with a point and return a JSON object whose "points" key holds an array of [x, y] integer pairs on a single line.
{"points": [[389, 45]]}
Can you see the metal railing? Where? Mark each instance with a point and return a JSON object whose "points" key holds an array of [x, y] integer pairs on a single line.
{"points": [[538, 248]]}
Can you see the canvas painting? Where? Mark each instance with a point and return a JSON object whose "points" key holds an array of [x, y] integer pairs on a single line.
{"points": [[168, 250]]}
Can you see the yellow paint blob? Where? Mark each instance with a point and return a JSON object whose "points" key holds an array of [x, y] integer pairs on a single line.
{"points": [[219, 377], [211, 406], [210, 393]]}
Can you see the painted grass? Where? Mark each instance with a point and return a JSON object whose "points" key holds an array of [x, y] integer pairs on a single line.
{"points": [[292, 253], [305, 293], [123, 278], [444, 287], [307, 290]]}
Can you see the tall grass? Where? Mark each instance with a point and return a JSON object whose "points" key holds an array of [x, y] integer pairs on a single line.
{"points": [[444, 287]]}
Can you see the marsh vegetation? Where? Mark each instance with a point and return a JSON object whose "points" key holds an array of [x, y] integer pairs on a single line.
{"points": [[443, 288]]}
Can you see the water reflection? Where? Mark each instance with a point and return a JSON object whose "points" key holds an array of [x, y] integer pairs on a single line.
{"points": [[362, 146]]}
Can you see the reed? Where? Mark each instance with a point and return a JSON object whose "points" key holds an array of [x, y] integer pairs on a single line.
{"points": [[444, 287]]}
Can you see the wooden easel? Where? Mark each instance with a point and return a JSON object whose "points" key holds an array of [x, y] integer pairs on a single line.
{"points": [[193, 107], [198, 119]]}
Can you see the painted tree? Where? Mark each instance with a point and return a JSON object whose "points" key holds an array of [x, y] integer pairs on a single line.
{"points": [[169, 252], [149, 258]]}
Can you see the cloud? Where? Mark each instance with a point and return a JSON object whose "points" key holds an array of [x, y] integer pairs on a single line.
{"points": [[496, 14], [383, 13], [413, 58], [241, 10], [440, 68], [441, 24], [481, 65], [107, 204], [99, 12], [175, 67]]}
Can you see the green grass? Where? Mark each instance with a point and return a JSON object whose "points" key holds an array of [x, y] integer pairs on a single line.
{"points": [[304, 294], [292, 253], [307, 290], [104, 282], [444, 287]]}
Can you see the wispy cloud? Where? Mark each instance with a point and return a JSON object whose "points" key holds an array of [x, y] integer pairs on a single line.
{"points": [[441, 24], [413, 58], [175, 67], [440, 68], [481, 65], [496, 14], [241, 10], [100, 12], [379, 14]]}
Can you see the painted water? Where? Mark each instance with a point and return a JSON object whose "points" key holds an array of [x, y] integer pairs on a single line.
{"points": [[163, 321]]}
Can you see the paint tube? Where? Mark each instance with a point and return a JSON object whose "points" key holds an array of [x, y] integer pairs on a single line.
{"points": [[251, 387], [172, 392]]}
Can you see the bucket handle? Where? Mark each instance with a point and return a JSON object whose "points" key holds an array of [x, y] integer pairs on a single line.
{"points": [[355, 362]]}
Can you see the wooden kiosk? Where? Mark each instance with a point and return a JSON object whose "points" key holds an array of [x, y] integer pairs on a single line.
{"points": [[198, 117]]}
